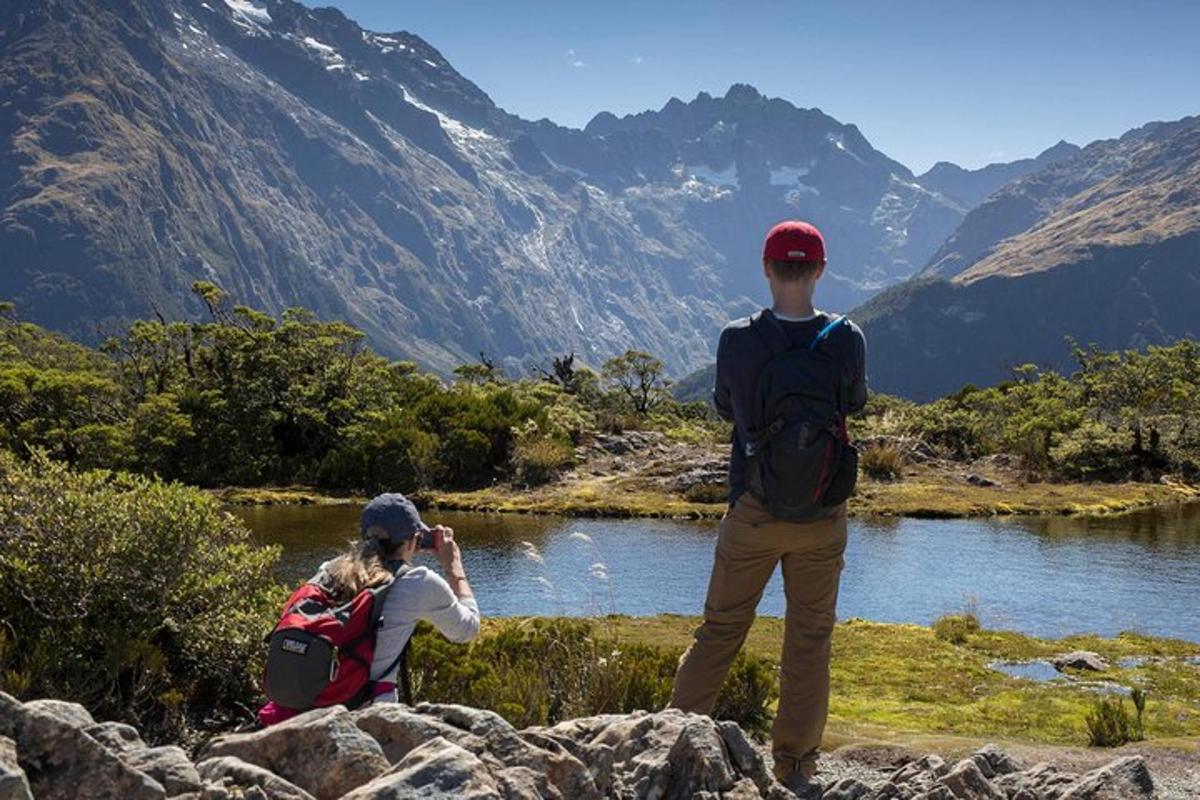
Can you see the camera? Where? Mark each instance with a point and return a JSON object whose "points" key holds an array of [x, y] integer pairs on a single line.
{"points": [[429, 539]]}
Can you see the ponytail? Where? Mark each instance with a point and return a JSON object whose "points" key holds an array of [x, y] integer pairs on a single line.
{"points": [[360, 567]]}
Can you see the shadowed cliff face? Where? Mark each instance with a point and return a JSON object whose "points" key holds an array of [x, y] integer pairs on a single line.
{"points": [[1116, 264], [295, 159]]}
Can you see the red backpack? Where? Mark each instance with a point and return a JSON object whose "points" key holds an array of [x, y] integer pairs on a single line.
{"points": [[320, 653]]}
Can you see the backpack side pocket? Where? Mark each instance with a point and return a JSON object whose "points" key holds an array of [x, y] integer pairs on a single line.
{"points": [[845, 476]]}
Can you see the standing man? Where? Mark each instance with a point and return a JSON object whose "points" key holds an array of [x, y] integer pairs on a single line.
{"points": [[786, 377]]}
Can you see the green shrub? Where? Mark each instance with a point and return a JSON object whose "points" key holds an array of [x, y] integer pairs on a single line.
{"points": [[959, 432], [882, 461], [465, 453], [384, 451], [1109, 724], [140, 599], [750, 689], [955, 628], [1093, 451], [1138, 696], [542, 671]]}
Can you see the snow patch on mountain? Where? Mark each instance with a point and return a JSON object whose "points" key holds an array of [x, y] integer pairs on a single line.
{"points": [[334, 62], [251, 10], [724, 177], [789, 176]]}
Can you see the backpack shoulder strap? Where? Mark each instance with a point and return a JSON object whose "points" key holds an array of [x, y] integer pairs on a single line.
{"points": [[828, 330], [824, 334], [771, 332], [401, 662]]}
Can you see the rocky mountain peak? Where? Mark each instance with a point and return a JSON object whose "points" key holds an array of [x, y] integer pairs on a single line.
{"points": [[744, 94]]}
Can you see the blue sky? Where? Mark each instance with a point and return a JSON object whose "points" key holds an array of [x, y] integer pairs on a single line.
{"points": [[925, 80]]}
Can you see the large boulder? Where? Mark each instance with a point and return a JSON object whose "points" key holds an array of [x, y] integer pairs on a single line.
{"points": [[168, 765], [13, 783], [1040, 780], [61, 760], [116, 736], [511, 757], [399, 730], [1124, 779], [231, 772], [439, 768], [70, 713], [966, 781], [998, 761], [668, 754], [321, 751], [556, 772]]}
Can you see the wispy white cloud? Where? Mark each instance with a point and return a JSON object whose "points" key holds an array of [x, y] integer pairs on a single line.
{"points": [[637, 60], [578, 63]]}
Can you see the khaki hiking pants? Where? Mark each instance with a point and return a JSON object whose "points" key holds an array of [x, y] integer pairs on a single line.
{"points": [[750, 543]]}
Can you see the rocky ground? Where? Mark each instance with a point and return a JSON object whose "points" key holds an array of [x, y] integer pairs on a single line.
{"points": [[53, 749]]}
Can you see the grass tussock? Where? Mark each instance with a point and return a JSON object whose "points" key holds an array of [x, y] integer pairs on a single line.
{"points": [[883, 462]]}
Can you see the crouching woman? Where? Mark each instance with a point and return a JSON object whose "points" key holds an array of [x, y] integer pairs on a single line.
{"points": [[343, 636]]}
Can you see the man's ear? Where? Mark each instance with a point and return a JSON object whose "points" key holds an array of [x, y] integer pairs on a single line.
{"points": [[820, 270], [766, 269]]}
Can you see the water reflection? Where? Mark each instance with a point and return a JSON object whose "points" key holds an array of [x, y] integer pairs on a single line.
{"points": [[1048, 576]]}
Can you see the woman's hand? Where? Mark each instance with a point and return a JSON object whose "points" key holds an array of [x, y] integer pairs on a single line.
{"points": [[447, 552], [451, 559]]}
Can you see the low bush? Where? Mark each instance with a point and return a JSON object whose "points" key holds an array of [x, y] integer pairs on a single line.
{"points": [[1109, 723], [540, 672], [882, 462], [1093, 451], [955, 628], [140, 599], [1138, 696]]}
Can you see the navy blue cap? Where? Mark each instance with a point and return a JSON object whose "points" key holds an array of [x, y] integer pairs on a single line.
{"points": [[395, 514]]}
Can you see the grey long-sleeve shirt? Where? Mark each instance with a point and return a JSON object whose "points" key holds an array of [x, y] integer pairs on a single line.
{"points": [[741, 355], [420, 594]]}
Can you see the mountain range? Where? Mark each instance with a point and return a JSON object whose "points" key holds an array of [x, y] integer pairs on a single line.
{"points": [[1102, 247], [294, 158]]}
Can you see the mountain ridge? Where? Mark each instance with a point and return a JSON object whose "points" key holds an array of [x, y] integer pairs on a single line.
{"points": [[1108, 253]]}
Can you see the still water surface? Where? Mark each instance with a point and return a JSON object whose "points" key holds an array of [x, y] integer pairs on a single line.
{"points": [[1045, 576]]}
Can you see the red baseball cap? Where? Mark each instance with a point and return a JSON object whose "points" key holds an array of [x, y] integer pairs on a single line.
{"points": [[794, 240]]}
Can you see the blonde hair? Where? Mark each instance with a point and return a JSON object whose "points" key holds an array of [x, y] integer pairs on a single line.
{"points": [[360, 567]]}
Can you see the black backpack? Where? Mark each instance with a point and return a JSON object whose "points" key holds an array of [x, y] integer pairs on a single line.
{"points": [[800, 463]]}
